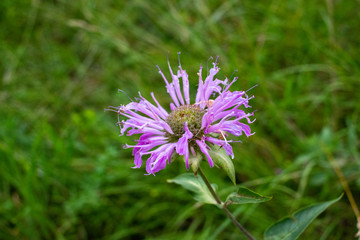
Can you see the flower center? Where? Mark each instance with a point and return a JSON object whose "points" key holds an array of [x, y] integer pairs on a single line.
{"points": [[186, 113]]}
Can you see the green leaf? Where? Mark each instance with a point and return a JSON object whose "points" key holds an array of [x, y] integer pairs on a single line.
{"points": [[290, 228], [245, 195], [195, 161], [223, 161], [197, 186]]}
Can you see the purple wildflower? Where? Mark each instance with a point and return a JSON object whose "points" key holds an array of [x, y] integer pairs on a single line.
{"points": [[190, 128]]}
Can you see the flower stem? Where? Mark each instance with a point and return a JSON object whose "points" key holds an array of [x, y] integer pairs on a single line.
{"points": [[227, 212]]}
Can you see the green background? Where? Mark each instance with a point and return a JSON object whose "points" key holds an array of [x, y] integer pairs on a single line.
{"points": [[63, 172]]}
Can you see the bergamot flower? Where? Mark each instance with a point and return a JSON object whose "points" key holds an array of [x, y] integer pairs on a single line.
{"points": [[191, 127]]}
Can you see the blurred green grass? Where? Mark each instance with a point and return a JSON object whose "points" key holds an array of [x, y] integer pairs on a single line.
{"points": [[63, 172]]}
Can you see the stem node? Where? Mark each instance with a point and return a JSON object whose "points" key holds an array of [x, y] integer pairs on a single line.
{"points": [[224, 206]]}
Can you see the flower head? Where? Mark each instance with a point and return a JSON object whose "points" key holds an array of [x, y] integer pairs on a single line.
{"points": [[191, 127]]}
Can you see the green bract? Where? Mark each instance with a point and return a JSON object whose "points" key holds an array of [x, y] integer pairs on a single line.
{"points": [[223, 161]]}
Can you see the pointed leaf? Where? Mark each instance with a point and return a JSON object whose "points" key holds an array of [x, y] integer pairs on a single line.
{"points": [[245, 195], [290, 228], [197, 186], [223, 161]]}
